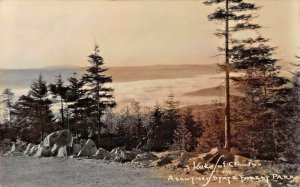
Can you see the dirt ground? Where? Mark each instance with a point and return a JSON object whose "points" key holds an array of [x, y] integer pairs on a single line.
{"points": [[24, 171], [21, 171]]}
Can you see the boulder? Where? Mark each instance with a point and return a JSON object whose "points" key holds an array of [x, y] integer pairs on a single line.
{"points": [[162, 161], [28, 148], [13, 148], [126, 156], [33, 150], [88, 150], [76, 148], [102, 154], [54, 150], [43, 151], [173, 154], [60, 138], [17, 149], [121, 155], [115, 151], [145, 157], [214, 155], [63, 152], [183, 160]]}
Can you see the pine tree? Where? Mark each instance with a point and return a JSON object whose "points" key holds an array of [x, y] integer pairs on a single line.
{"points": [[230, 12], [32, 112], [7, 94], [100, 95], [59, 90]]}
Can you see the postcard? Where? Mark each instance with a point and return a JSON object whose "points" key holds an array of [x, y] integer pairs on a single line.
{"points": [[150, 93]]}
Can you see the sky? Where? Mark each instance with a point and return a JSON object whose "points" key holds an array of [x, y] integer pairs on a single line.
{"points": [[45, 33]]}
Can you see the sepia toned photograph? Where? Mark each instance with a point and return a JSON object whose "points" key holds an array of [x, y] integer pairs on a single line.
{"points": [[149, 93]]}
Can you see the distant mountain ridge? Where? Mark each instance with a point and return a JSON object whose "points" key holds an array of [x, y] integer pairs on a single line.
{"points": [[22, 78]]}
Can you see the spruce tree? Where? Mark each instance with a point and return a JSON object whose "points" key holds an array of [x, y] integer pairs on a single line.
{"points": [[101, 95], [233, 14], [193, 126], [32, 112], [171, 120], [8, 95], [183, 138], [155, 130], [75, 96], [138, 121], [259, 80]]}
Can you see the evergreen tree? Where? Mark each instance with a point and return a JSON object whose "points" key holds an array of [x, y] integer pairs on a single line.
{"points": [[155, 130], [59, 90], [233, 14], [75, 96], [100, 95], [126, 119], [293, 135], [138, 121], [182, 138], [193, 126], [7, 94], [259, 80], [171, 120], [213, 129], [32, 112]]}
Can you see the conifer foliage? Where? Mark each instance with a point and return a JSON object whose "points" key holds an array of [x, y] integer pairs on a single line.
{"points": [[233, 14], [254, 114], [7, 96], [101, 97], [33, 116]]}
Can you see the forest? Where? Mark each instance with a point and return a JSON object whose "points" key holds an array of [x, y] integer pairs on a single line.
{"points": [[261, 122]]}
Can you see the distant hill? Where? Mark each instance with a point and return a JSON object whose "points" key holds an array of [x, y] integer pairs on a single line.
{"points": [[195, 109], [22, 78], [212, 91]]}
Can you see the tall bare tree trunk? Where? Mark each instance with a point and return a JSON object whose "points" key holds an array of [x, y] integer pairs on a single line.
{"points": [[227, 94]]}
